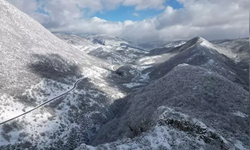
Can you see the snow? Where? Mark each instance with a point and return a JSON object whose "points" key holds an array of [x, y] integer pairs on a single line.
{"points": [[167, 113], [175, 44], [132, 85], [239, 145], [240, 114], [148, 60], [236, 49], [145, 67], [45, 120], [184, 64], [144, 77], [9, 110], [97, 77], [77, 109], [49, 91], [211, 61], [36, 121], [158, 137], [207, 44], [31, 39]]}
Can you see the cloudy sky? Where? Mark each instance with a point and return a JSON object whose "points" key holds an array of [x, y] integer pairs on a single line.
{"points": [[143, 20]]}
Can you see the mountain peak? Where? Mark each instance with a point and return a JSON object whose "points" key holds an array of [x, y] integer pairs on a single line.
{"points": [[197, 40]]}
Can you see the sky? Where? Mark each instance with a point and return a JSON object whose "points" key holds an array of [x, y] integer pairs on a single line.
{"points": [[143, 21]]}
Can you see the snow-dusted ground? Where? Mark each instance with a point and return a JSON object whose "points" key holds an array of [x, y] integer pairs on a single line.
{"points": [[167, 136], [56, 121], [185, 120], [236, 49], [240, 114], [132, 85], [98, 76], [78, 42], [33, 44], [175, 44], [40, 121], [150, 60], [112, 49], [39, 67], [25, 84]]}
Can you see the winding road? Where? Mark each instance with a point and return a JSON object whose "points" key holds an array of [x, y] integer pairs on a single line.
{"points": [[43, 104]]}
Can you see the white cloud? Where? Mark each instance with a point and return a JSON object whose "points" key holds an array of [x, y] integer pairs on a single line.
{"points": [[29, 7], [135, 14], [211, 19], [145, 4]]}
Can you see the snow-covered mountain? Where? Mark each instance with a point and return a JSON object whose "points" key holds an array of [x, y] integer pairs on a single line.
{"points": [[78, 42], [200, 52], [182, 110], [194, 86], [36, 66], [238, 49], [64, 91], [112, 49]]}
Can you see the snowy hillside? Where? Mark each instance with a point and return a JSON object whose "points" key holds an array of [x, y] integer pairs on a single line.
{"points": [[112, 49], [236, 49], [175, 44], [108, 40], [211, 89], [33, 44], [184, 112], [200, 52], [36, 66], [100, 92], [78, 42]]}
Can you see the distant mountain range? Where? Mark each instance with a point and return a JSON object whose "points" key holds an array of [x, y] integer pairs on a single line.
{"points": [[101, 92]]}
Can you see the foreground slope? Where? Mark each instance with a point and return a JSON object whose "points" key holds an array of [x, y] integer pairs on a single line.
{"points": [[23, 42], [36, 67]]}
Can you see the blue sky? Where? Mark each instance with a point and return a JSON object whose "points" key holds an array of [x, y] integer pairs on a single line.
{"points": [[127, 13], [123, 13]]}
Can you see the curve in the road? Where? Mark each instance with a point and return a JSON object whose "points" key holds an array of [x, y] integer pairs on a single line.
{"points": [[48, 101]]}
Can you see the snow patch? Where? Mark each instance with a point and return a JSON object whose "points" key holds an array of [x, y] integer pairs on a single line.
{"points": [[174, 44], [132, 85], [240, 114], [239, 145]]}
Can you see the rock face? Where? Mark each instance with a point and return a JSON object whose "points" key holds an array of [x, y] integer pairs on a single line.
{"points": [[110, 94]]}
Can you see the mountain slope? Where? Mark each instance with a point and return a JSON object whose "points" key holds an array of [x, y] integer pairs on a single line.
{"points": [[237, 50], [78, 42], [191, 91], [24, 41], [210, 90], [111, 49], [36, 66], [200, 52]]}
